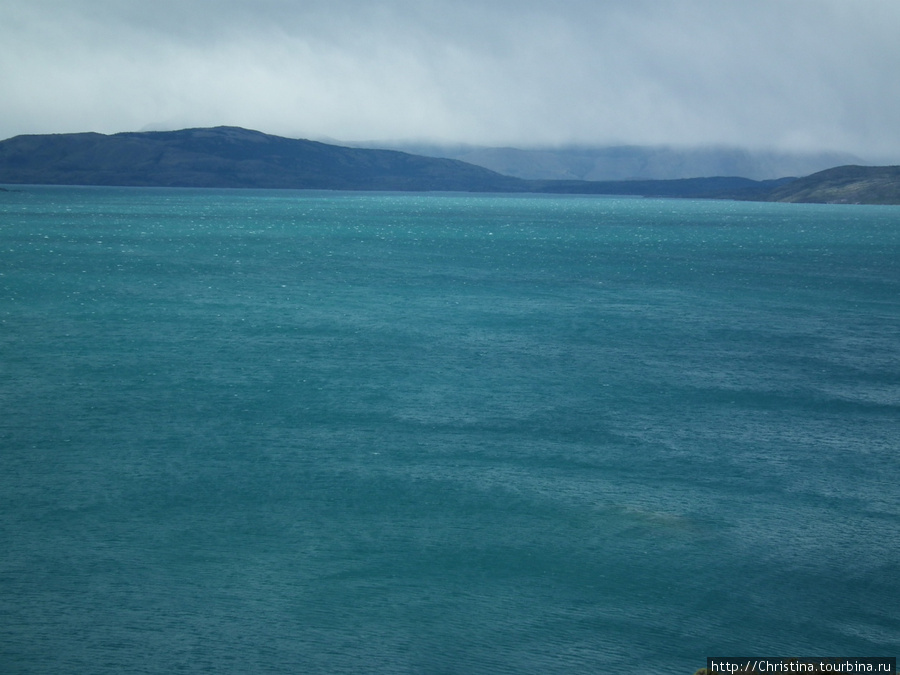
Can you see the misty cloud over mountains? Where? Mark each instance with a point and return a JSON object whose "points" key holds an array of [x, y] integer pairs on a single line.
{"points": [[803, 75], [636, 162]]}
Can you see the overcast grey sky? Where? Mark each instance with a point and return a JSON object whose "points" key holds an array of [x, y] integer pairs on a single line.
{"points": [[785, 74]]}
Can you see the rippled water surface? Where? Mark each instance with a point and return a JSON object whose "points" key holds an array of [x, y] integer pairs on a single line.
{"points": [[279, 432]]}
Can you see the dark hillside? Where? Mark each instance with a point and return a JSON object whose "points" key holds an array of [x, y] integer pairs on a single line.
{"points": [[844, 185], [230, 157]]}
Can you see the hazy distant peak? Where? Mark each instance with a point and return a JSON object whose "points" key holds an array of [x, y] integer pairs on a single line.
{"points": [[635, 162]]}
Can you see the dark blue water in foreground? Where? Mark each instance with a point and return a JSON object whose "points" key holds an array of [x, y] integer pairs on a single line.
{"points": [[284, 432]]}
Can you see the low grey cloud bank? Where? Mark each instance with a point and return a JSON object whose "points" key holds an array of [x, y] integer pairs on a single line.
{"points": [[800, 75]]}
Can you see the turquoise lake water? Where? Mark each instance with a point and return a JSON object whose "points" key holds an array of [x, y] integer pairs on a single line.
{"points": [[313, 432]]}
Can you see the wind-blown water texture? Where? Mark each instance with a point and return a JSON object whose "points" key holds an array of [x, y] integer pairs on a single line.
{"points": [[277, 432]]}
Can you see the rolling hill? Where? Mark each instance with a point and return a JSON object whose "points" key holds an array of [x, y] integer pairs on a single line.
{"points": [[230, 157], [843, 185]]}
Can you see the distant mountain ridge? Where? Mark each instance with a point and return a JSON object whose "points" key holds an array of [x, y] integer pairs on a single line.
{"points": [[232, 157], [632, 162]]}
